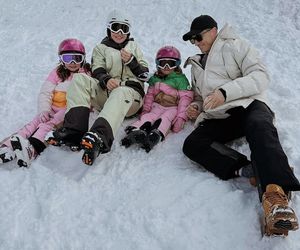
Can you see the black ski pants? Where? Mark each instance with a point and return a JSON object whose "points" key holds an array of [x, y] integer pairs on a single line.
{"points": [[206, 146]]}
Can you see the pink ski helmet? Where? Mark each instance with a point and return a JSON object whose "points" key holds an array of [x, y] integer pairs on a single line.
{"points": [[168, 52], [71, 45]]}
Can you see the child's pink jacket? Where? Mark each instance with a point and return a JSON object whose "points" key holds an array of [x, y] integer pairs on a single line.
{"points": [[167, 101], [52, 98]]}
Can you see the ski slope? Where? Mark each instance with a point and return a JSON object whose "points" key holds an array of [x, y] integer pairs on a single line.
{"points": [[129, 199]]}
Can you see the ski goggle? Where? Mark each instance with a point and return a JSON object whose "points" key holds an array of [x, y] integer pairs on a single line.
{"points": [[119, 27], [170, 63], [198, 37], [69, 58]]}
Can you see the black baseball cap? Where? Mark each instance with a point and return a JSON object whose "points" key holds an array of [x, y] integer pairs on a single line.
{"points": [[199, 24]]}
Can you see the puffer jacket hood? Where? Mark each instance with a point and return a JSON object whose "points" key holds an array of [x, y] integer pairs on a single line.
{"points": [[228, 33]]}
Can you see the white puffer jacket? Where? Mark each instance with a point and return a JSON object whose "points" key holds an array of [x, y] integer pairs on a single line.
{"points": [[233, 65]]}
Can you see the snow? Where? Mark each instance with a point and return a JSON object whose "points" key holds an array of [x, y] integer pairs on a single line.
{"points": [[129, 199]]}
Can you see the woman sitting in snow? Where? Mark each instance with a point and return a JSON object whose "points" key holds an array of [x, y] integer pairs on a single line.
{"points": [[28, 142], [116, 87], [165, 103]]}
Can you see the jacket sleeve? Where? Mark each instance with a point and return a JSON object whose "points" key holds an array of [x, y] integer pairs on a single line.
{"points": [[46, 92], [185, 99], [99, 71], [45, 96], [254, 78], [198, 100], [138, 65], [149, 98], [102, 76]]}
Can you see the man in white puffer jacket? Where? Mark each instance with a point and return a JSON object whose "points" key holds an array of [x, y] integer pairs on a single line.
{"points": [[229, 81]]}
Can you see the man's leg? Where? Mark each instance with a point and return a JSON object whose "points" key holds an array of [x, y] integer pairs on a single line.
{"points": [[205, 145], [267, 155], [275, 177]]}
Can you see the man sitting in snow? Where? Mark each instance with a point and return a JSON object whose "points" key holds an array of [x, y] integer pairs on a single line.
{"points": [[229, 81]]}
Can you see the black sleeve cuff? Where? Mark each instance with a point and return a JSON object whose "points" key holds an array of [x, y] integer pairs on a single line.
{"points": [[223, 93], [138, 70], [101, 75]]}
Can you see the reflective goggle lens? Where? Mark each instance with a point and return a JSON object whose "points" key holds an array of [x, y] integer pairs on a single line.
{"points": [[119, 27], [68, 58], [198, 37], [195, 38], [171, 63]]}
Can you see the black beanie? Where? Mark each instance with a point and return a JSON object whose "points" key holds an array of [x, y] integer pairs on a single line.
{"points": [[199, 24]]}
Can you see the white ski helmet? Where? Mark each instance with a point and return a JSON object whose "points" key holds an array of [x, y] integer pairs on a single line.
{"points": [[118, 17]]}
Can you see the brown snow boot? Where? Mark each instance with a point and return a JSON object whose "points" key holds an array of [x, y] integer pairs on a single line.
{"points": [[278, 216]]}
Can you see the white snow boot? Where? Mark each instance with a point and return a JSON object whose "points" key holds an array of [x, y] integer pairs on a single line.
{"points": [[6, 154], [24, 151]]}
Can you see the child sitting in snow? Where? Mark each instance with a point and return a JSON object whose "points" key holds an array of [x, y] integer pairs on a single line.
{"points": [[28, 142], [165, 103]]}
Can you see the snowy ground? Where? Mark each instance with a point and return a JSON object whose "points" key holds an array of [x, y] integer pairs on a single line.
{"points": [[129, 199]]}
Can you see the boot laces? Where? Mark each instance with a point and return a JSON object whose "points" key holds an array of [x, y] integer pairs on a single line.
{"points": [[276, 199]]}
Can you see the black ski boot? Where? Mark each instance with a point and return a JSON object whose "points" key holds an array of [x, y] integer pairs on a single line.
{"points": [[136, 136], [154, 137], [92, 145], [66, 136]]}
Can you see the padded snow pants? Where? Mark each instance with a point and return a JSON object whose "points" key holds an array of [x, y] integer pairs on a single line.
{"points": [[85, 92], [166, 114]]}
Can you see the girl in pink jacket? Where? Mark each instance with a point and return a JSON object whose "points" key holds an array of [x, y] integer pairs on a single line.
{"points": [[29, 141], [165, 103]]}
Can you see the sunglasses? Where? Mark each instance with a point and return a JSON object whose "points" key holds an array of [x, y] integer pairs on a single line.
{"points": [[119, 27], [69, 58], [198, 37], [171, 63]]}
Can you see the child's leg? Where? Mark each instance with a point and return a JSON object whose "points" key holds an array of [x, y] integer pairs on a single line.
{"points": [[164, 123], [30, 127], [44, 128], [24, 148], [167, 117], [25, 132], [38, 138], [153, 115]]}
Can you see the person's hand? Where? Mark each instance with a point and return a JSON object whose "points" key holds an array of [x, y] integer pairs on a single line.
{"points": [[112, 84], [192, 111], [178, 124], [44, 116], [125, 55], [214, 100]]}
